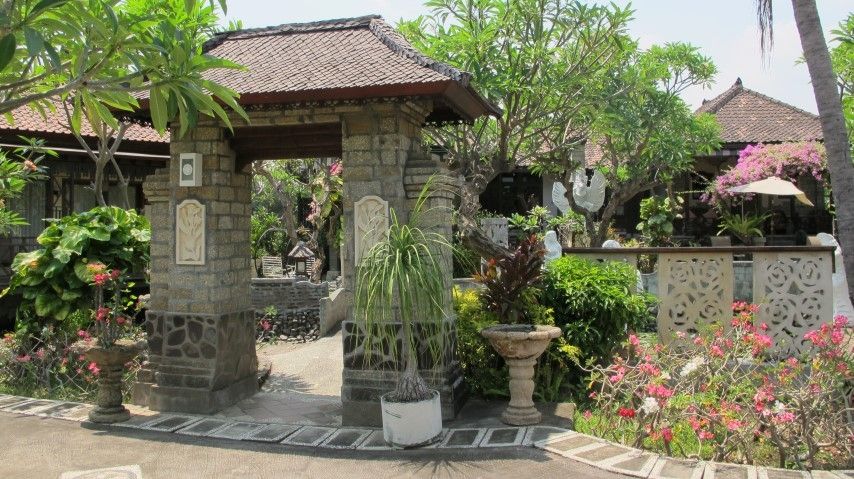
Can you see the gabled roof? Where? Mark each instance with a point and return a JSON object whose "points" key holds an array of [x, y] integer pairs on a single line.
{"points": [[344, 59], [746, 116], [53, 128]]}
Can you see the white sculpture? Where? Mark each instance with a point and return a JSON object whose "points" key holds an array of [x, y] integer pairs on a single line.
{"points": [[496, 229], [370, 215], [612, 244], [553, 249], [190, 233], [590, 197], [841, 300]]}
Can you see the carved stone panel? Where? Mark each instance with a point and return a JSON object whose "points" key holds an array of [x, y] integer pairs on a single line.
{"points": [[695, 289], [190, 233], [794, 293], [497, 230], [370, 217]]}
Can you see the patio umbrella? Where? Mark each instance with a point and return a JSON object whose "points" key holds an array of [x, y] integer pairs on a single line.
{"points": [[773, 186]]}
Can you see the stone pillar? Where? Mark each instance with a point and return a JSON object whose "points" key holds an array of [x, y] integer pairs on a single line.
{"points": [[380, 148], [200, 323]]}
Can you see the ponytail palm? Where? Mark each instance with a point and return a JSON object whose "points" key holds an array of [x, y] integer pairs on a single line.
{"points": [[402, 279]]}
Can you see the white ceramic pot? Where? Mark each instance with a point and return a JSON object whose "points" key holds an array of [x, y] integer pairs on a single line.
{"points": [[410, 424]]}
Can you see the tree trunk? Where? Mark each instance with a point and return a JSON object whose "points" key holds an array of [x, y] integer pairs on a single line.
{"points": [[471, 234], [98, 184], [832, 125]]}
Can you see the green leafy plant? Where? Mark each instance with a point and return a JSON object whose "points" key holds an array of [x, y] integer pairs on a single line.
{"points": [[534, 222], [54, 280], [402, 279], [18, 168], [595, 304], [657, 216], [510, 283], [744, 227]]}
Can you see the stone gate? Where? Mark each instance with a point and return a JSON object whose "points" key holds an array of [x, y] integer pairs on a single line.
{"points": [[349, 88]]}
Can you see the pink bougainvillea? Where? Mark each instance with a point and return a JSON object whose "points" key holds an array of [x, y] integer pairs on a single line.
{"points": [[788, 161]]}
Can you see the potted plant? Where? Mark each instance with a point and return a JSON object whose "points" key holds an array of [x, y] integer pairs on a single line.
{"points": [[744, 227], [402, 279], [510, 293], [110, 348]]}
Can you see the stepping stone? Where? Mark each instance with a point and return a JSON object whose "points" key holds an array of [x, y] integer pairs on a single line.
{"points": [[774, 473], [825, 475], [571, 443], [847, 474], [635, 463], [504, 437], [729, 471], [236, 430], [542, 433], [123, 472], [604, 452], [465, 438], [168, 423], [61, 409], [203, 427], [309, 436], [7, 401], [30, 407], [272, 433], [669, 468], [138, 421], [346, 438], [375, 442]]}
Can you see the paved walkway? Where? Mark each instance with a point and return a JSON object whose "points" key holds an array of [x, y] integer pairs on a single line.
{"points": [[46, 448]]}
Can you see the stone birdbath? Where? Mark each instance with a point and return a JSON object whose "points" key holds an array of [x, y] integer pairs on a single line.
{"points": [[111, 361], [520, 346]]}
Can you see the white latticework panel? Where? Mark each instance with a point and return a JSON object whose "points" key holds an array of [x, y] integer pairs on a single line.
{"points": [[694, 289], [794, 293]]}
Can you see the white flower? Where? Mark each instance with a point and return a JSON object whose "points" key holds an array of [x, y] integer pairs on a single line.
{"points": [[665, 375], [692, 365], [650, 405], [779, 407]]}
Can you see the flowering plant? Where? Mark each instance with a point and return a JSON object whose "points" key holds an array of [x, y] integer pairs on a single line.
{"points": [[727, 398], [111, 322], [788, 161]]}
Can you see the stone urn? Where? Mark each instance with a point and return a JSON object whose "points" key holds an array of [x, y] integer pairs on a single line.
{"points": [[520, 346], [111, 362]]}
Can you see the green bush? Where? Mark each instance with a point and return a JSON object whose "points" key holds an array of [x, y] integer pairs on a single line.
{"points": [[595, 304], [55, 281]]}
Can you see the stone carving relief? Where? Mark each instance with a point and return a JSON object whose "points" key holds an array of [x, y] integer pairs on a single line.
{"points": [[497, 230], [694, 289], [370, 217], [190, 233], [793, 291]]}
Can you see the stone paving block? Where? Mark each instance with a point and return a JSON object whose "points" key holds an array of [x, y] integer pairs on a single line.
{"points": [[542, 433], [137, 421], [634, 463], [309, 436], [123, 472], [774, 473], [504, 437], [30, 407], [168, 423], [59, 410], [375, 442], [235, 430], [594, 455], [565, 445], [847, 474], [272, 433], [463, 438], [7, 401], [716, 470], [669, 468], [825, 475], [346, 438], [203, 427], [78, 414]]}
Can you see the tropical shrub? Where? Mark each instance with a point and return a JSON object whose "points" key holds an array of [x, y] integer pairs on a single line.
{"points": [[55, 280], [657, 216], [743, 227], [510, 283], [722, 396], [595, 304]]}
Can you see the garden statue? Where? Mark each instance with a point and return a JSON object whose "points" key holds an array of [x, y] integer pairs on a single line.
{"points": [[109, 350], [841, 299], [559, 197], [588, 194], [553, 249]]}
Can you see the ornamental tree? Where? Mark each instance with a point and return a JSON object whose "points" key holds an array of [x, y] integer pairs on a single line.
{"points": [[789, 161]]}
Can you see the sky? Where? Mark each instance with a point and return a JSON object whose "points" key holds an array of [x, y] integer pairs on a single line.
{"points": [[724, 30]]}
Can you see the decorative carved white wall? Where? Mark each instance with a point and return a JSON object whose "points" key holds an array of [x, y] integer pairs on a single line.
{"points": [[370, 216], [694, 289], [497, 230], [190, 233], [794, 291]]}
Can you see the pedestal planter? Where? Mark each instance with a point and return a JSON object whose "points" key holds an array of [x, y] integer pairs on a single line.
{"points": [[111, 362], [411, 424], [520, 347]]}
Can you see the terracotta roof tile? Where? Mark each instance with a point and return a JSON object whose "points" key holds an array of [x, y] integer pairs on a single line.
{"points": [[746, 116], [30, 122]]}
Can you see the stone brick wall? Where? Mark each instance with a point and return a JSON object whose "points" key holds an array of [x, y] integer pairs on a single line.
{"points": [[287, 294]]}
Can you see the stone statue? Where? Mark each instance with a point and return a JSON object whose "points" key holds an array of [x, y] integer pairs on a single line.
{"points": [[553, 249], [590, 196], [559, 197], [612, 244], [841, 300]]}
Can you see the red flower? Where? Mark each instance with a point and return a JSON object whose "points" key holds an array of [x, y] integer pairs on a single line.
{"points": [[626, 412], [103, 314], [114, 274], [100, 279], [667, 434]]}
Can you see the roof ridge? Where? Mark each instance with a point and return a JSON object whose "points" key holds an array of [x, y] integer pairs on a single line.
{"points": [[781, 103], [395, 42], [286, 28], [715, 103]]}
